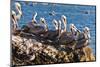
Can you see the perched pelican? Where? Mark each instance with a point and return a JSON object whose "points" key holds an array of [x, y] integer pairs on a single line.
{"points": [[62, 32], [87, 32], [83, 38], [55, 23], [15, 16], [43, 23], [50, 34], [65, 37], [74, 31], [36, 28]]}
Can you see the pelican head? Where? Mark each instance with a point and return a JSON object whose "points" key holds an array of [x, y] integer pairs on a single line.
{"points": [[13, 14], [64, 20], [43, 22], [87, 31], [72, 26], [63, 17], [73, 29], [18, 6], [55, 24]]}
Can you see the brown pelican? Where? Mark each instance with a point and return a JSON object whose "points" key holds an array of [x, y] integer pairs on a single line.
{"points": [[36, 28], [63, 32], [55, 23], [16, 17], [74, 31], [65, 36], [83, 38], [87, 32], [50, 34], [43, 23]]}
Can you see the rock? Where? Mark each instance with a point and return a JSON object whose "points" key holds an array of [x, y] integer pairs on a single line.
{"points": [[29, 50]]}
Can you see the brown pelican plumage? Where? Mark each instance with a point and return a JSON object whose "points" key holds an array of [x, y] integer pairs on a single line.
{"points": [[83, 38], [31, 24], [65, 36], [74, 31], [36, 28], [43, 23], [87, 32], [16, 17], [52, 34], [63, 32]]}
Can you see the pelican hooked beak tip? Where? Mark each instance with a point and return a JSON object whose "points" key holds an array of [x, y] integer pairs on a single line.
{"points": [[18, 6]]}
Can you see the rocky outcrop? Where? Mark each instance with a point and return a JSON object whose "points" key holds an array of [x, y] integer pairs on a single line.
{"points": [[34, 50]]}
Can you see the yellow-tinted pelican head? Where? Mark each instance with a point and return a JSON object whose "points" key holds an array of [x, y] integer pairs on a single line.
{"points": [[55, 23], [86, 30], [43, 22]]}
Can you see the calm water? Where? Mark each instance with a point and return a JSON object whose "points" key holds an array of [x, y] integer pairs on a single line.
{"points": [[80, 15]]}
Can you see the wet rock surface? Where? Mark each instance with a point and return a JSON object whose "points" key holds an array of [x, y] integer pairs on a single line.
{"points": [[29, 49]]}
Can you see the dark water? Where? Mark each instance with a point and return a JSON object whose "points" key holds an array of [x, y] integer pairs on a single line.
{"points": [[79, 15]]}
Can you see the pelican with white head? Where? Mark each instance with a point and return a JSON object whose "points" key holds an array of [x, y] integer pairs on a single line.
{"points": [[19, 10], [55, 23], [86, 31], [43, 23], [64, 20]]}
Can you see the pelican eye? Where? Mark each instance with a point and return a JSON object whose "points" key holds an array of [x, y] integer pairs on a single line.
{"points": [[12, 16], [42, 21], [64, 19], [19, 8], [55, 23], [87, 30]]}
